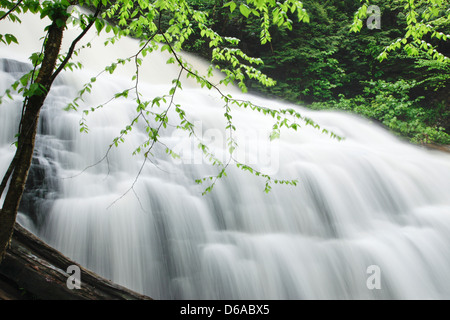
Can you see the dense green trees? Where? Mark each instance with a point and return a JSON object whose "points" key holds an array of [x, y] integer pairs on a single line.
{"points": [[397, 74]]}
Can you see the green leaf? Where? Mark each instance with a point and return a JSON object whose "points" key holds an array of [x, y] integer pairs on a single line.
{"points": [[245, 11], [230, 4], [35, 89], [10, 38], [99, 25]]}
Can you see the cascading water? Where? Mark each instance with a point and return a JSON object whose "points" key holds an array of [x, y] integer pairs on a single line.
{"points": [[370, 201]]}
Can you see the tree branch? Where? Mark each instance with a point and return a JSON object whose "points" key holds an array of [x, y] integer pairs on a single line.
{"points": [[11, 10], [74, 43]]}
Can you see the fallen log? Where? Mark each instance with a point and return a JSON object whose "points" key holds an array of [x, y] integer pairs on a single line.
{"points": [[34, 270]]}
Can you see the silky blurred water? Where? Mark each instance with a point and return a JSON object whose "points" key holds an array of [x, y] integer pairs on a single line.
{"points": [[369, 200]]}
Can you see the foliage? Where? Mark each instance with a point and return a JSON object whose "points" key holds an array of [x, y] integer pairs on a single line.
{"points": [[168, 26], [322, 62], [390, 104], [422, 18]]}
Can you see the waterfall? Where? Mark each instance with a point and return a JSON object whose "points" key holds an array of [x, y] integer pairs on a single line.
{"points": [[369, 205]]}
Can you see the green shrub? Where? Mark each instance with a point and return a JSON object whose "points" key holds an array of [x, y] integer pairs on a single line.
{"points": [[390, 104]]}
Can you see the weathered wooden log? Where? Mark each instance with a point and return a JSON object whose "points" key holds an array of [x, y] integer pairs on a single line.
{"points": [[34, 270]]}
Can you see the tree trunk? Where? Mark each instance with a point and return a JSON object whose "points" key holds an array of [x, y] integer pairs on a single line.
{"points": [[33, 270], [27, 135], [30, 268]]}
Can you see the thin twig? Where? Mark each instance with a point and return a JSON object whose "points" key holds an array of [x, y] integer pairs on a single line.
{"points": [[74, 43], [146, 155]]}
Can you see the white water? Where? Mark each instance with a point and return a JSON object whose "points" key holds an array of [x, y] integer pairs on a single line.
{"points": [[368, 200]]}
